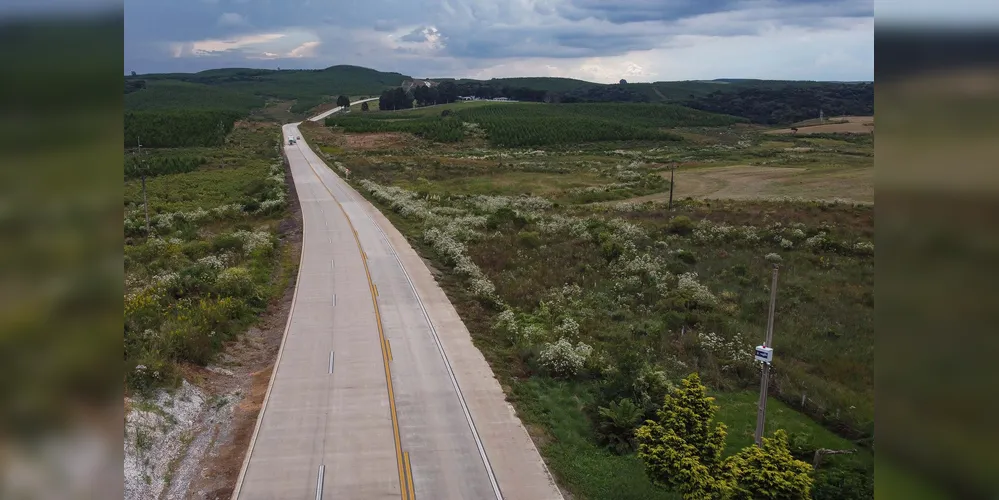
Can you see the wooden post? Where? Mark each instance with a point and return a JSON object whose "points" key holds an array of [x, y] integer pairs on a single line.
{"points": [[671, 170]]}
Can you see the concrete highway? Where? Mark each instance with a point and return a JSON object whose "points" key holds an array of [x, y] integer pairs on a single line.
{"points": [[378, 391]]}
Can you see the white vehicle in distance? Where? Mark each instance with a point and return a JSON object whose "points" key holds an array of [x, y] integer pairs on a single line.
{"points": [[291, 140]]}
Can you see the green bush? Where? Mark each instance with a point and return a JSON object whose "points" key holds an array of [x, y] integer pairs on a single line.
{"points": [[505, 217], [686, 256], [529, 239], [681, 225], [849, 481], [616, 425]]}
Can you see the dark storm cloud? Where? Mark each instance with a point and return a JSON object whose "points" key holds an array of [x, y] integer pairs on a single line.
{"points": [[631, 11], [385, 33]]}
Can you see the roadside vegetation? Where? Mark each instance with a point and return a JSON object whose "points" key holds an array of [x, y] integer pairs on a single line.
{"points": [[211, 259], [592, 299]]}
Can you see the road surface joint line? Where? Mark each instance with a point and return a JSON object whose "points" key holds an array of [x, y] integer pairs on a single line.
{"points": [[381, 335], [270, 383], [331, 362]]}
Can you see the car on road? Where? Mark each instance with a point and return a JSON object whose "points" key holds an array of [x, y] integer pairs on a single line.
{"points": [[291, 140]]}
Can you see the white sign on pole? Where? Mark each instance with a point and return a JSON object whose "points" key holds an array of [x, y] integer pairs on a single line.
{"points": [[764, 354]]}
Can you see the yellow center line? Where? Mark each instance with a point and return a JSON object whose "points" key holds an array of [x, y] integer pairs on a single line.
{"points": [[409, 478], [403, 476], [389, 345]]}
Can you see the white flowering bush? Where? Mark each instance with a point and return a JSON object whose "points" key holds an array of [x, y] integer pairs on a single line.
{"points": [[452, 251], [625, 230], [196, 215], [693, 291], [252, 240], [506, 321], [223, 211], [817, 241], [166, 280], [773, 258], [235, 282], [560, 224], [709, 232], [632, 269], [562, 359], [726, 350], [786, 244], [567, 328], [864, 248], [627, 175], [401, 201], [213, 262]]}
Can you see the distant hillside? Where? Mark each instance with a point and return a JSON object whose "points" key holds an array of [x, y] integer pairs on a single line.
{"points": [[245, 89], [548, 84]]}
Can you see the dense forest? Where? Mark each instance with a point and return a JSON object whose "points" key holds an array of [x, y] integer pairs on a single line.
{"points": [[789, 104], [171, 129]]}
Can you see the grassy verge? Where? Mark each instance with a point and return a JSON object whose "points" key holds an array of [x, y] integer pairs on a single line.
{"points": [[211, 260]]}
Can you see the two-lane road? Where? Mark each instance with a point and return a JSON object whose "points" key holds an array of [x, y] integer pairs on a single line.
{"points": [[378, 391]]}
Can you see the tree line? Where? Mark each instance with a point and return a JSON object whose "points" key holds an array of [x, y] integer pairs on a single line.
{"points": [[790, 104], [181, 128]]}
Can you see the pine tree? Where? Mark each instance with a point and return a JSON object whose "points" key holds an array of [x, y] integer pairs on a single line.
{"points": [[682, 448], [769, 472]]}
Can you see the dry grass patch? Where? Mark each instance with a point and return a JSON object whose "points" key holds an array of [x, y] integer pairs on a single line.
{"points": [[840, 125], [380, 140]]}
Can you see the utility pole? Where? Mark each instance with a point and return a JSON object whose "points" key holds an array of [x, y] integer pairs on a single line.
{"points": [[764, 353], [142, 170], [222, 134], [671, 170]]}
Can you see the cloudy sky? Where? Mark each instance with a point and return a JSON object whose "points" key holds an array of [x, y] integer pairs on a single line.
{"points": [[596, 40]]}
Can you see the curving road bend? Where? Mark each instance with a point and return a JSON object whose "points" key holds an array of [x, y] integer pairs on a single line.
{"points": [[378, 391], [326, 113]]}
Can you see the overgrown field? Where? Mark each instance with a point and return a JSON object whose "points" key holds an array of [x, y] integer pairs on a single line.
{"points": [[210, 261], [580, 306], [535, 124]]}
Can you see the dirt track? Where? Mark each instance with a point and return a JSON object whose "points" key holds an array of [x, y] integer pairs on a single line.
{"points": [[849, 125]]}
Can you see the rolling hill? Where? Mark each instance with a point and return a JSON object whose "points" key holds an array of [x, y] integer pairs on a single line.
{"points": [[246, 90]]}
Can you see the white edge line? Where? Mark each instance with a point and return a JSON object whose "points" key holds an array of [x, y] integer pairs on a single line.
{"points": [[277, 361], [331, 362], [319, 482]]}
